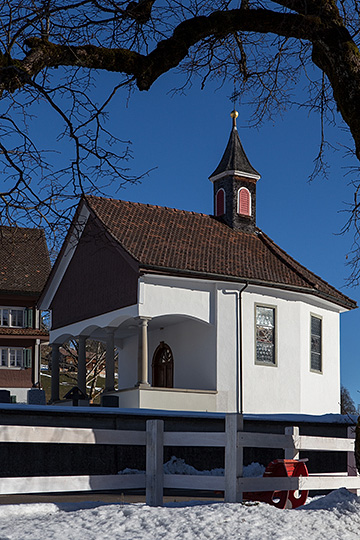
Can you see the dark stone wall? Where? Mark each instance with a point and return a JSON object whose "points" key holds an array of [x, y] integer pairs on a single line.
{"points": [[231, 186], [98, 279]]}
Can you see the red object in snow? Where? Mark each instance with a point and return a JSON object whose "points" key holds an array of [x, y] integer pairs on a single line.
{"points": [[282, 499]]}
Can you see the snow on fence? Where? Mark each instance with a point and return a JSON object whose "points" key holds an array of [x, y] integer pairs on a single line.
{"points": [[233, 439]]}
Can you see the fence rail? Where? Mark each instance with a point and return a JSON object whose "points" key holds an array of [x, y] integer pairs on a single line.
{"points": [[233, 439]]}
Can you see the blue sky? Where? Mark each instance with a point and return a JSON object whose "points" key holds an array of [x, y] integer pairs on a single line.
{"points": [[182, 139]]}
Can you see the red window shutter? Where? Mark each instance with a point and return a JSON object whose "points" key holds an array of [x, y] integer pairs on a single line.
{"points": [[244, 202], [220, 203]]}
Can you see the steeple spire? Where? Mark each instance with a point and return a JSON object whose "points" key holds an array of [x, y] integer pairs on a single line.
{"points": [[234, 181], [234, 160]]}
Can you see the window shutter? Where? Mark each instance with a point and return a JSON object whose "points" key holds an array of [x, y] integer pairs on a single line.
{"points": [[220, 202], [29, 317], [27, 358], [244, 202]]}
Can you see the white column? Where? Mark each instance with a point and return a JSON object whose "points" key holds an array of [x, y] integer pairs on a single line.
{"points": [[143, 352], [37, 318], [55, 358], [110, 362], [36, 364], [81, 378]]}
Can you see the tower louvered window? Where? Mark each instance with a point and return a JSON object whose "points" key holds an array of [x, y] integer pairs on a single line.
{"points": [[244, 202], [220, 202]]}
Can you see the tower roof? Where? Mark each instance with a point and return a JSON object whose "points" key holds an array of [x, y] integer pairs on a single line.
{"points": [[234, 160]]}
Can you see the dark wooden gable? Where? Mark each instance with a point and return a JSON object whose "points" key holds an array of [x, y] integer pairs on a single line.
{"points": [[101, 277]]}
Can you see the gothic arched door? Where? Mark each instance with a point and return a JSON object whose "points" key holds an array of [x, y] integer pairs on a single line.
{"points": [[163, 367]]}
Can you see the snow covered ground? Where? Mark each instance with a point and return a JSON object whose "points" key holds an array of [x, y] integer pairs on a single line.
{"points": [[177, 465], [336, 516]]}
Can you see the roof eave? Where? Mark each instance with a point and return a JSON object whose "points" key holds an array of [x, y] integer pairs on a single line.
{"points": [[251, 281], [81, 213], [234, 173]]}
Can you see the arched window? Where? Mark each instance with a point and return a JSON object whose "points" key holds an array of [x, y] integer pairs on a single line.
{"points": [[244, 202], [163, 367], [220, 202]]}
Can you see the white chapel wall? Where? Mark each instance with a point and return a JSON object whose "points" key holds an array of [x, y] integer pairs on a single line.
{"points": [[289, 386], [272, 388], [320, 392], [159, 296]]}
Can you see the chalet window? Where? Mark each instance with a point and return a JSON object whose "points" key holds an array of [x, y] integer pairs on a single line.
{"points": [[265, 335], [220, 202], [13, 357], [316, 352], [4, 317], [244, 202], [12, 317], [163, 367]]}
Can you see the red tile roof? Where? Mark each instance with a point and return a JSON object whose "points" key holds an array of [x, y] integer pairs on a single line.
{"points": [[24, 260], [173, 241]]}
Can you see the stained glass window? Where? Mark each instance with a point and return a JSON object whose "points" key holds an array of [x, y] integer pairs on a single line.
{"points": [[316, 361], [265, 335]]}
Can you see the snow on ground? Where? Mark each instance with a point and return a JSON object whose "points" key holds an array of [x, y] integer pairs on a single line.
{"points": [[179, 466], [336, 516]]}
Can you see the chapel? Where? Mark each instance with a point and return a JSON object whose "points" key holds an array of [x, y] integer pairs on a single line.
{"points": [[205, 312]]}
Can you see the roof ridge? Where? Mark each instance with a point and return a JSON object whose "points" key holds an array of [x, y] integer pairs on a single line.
{"points": [[148, 205]]}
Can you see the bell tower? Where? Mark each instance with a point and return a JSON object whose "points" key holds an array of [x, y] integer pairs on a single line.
{"points": [[234, 181]]}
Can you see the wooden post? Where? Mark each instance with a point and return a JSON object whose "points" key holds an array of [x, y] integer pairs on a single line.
{"points": [[292, 452], [351, 464], [154, 462], [233, 457]]}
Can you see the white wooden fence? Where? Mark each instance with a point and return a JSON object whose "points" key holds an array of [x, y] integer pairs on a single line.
{"points": [[234, 439]]}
